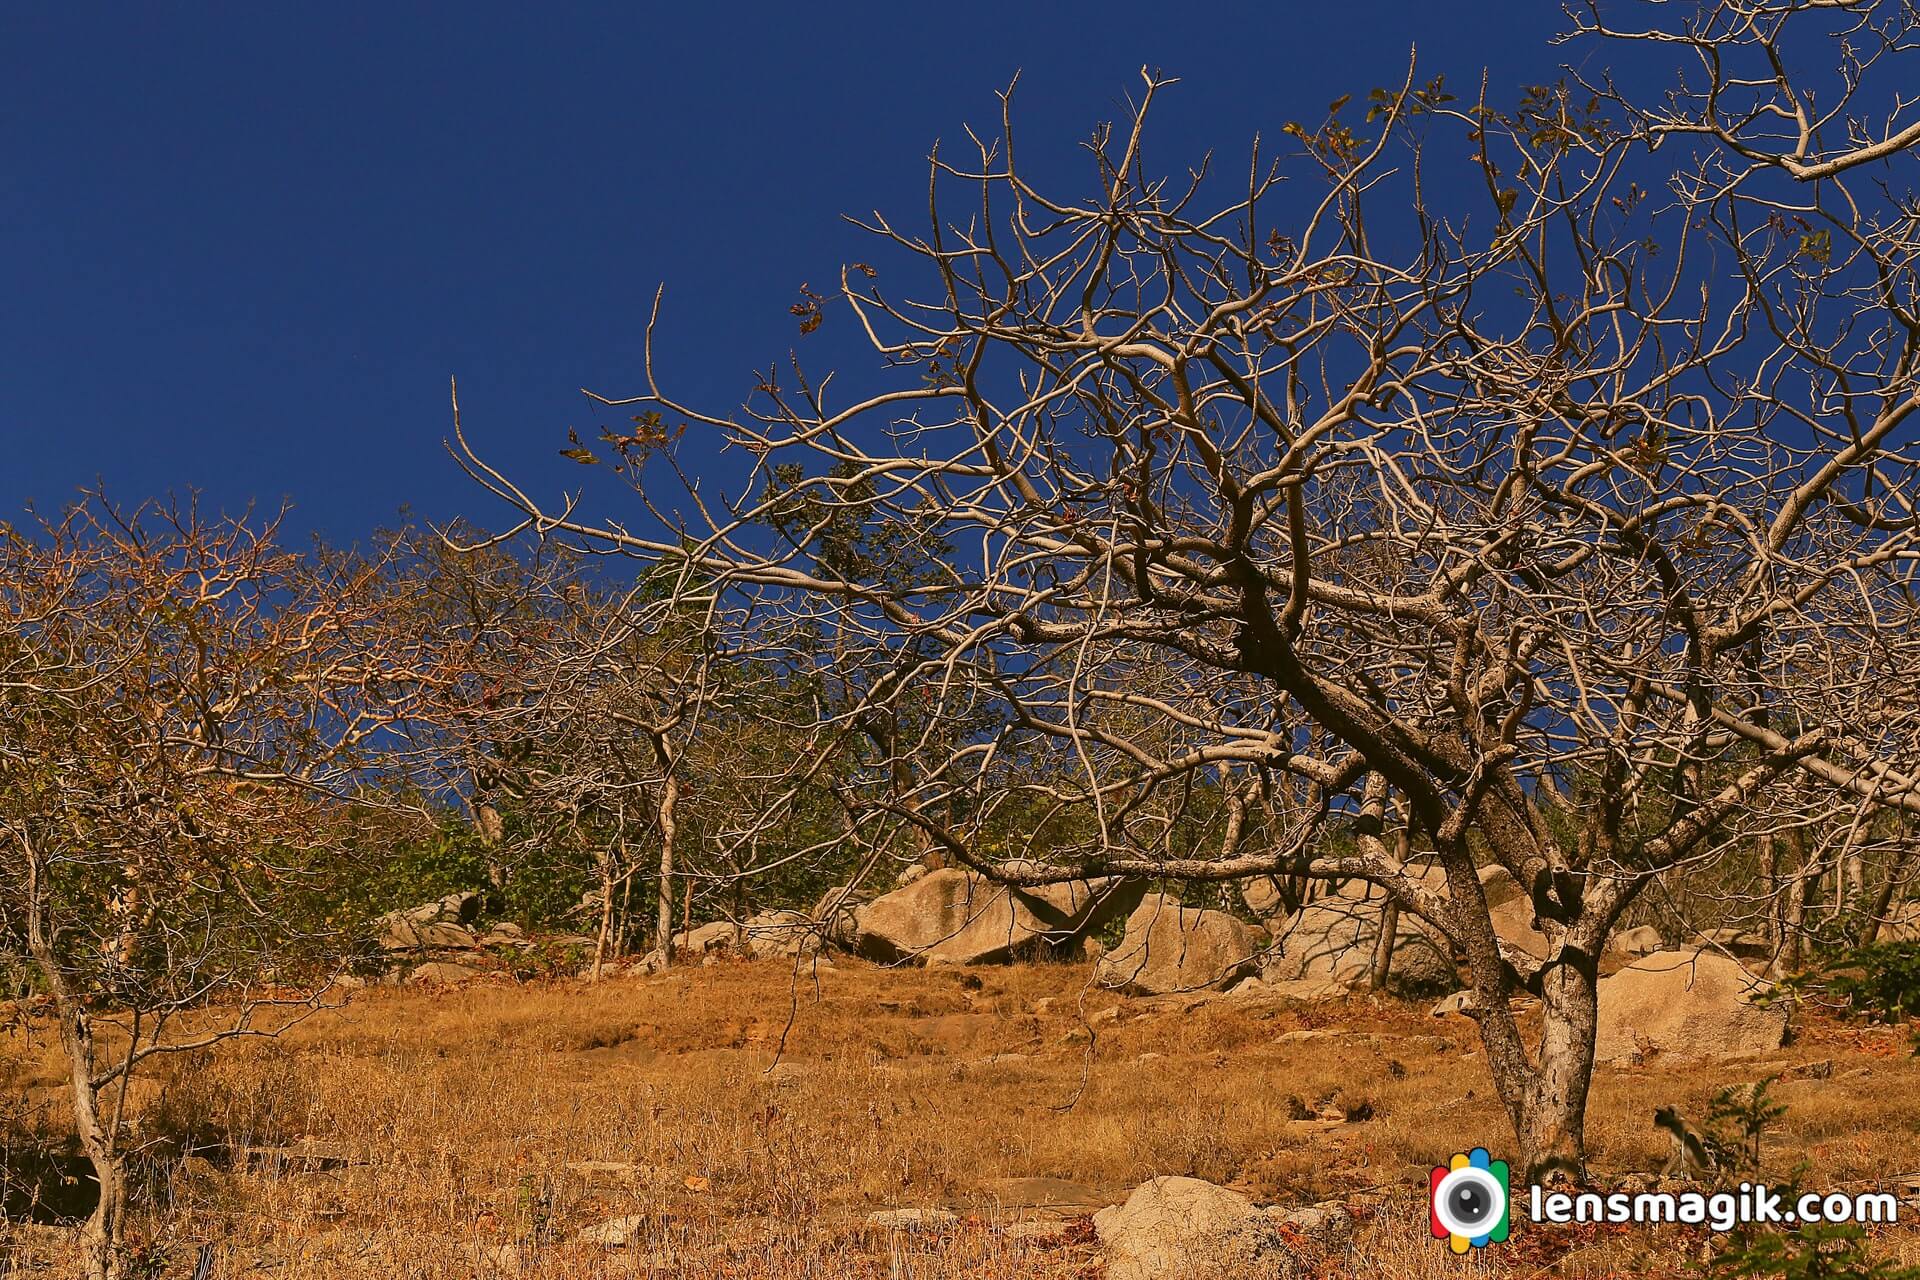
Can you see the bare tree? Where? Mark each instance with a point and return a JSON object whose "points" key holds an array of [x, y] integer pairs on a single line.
{"points": [[183, 708], [1472, 465]]}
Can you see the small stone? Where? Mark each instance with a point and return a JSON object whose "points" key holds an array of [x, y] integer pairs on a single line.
{"points": [[615, 1233], [912, 1219], [784, 1073], [443, 973]]}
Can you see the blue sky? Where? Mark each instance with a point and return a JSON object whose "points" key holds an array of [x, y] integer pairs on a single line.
{"points": [[242, 250]]}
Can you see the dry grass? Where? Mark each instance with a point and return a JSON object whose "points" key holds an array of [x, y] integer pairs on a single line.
{"points": [[470, 1131]]}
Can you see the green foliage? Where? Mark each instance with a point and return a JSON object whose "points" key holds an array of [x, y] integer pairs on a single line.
{"points": [[1737, 1120], [1880, 982], [1818, 1251]]}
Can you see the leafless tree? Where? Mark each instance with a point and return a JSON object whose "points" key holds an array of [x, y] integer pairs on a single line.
{"points": [[1535, 479], [184, 709]]}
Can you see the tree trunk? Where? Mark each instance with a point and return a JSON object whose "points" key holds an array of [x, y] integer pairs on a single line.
{"points": [[669, 829], [1550, 1108], [101, 1238], [1390, 919], [1383, 945], [604, 934], [1883, 900]]}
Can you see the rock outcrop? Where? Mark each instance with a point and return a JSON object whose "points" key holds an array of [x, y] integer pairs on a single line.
{"points": [[1641, 940], [706, 939], [1511, 910], [773, 934], [1169, 948], [1686, 1006], [1186, 1227], [1335, 940], [954, 916], [433, 926], [837, 915]]}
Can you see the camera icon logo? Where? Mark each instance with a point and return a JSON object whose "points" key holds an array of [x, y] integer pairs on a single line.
{"points": [[1468, 1201]]}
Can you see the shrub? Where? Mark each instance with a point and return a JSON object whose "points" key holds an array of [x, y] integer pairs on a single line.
{"points": [[1879, 982], [1818, 1251]]}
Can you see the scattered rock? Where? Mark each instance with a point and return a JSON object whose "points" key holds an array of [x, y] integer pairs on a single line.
{"points": [[504, 932], [443, 972], [961, 917], [1686, 1005], [708, 939], [1460, 1002], [432, 925], [1183, 1226], [1335, 939], [1511, 911], [781, 933], [784, 1073], [615, 1233], [1305, 990], [1263, 897], [1736, 942], [1170, 948], [836, 915], [912, 1219], [1902, 924], [1641, 940]]}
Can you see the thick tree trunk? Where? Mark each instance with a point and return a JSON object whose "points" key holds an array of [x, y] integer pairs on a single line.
{"points": [[100, 1240], [1550, 1107]]}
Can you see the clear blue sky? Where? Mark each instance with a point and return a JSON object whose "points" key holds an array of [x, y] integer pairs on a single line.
{"points": [[242, 249]]}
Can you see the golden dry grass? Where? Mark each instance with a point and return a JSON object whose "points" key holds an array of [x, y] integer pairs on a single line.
{"points": [[482, 1127]]}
